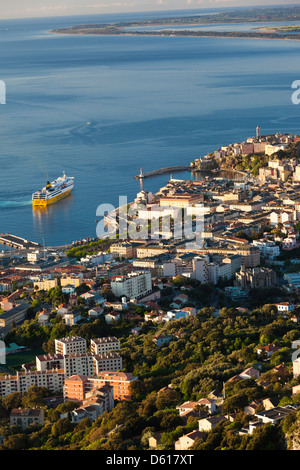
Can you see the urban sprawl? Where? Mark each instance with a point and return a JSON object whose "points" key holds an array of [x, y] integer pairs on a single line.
{"points": [[159, 343]]}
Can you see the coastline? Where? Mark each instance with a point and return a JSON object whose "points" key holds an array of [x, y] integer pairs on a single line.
{"points": [[182, 33], [251, 16]]}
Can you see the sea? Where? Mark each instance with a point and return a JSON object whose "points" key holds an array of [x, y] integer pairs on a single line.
{"points": [[101, 108]]}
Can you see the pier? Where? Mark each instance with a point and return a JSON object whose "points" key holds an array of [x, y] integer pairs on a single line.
{"points": [[162, 171], [17, 242]]}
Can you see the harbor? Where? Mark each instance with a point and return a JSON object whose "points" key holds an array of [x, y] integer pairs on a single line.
{"points": [[17, 242]]}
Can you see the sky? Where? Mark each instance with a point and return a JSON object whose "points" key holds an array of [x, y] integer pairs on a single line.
{"points": [[49, 8]]}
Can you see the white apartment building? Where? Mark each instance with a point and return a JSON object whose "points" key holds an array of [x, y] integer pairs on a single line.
{"points": [[49, 362], [79, 364], [200, 269], [155, 212], [101, 358], [52, 380], [133, 285], [225, 269], [296, 175], [292, 278], [296, 367], [268, 249], [270, 149], [170, 268], [70, 345], [104, 345], [34, 256], [219, 270], [279, 217], [45, 283], [213, 273], [111, 361]]}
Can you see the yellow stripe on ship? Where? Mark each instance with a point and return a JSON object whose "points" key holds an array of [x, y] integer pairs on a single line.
{"points": [[45, 202]]}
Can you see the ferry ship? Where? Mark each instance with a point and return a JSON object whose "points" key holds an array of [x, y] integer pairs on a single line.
{"points": [[54, 191]]}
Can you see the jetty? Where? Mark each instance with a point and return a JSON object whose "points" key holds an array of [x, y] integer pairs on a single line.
{"points": [[17, 242], [162, 171]]}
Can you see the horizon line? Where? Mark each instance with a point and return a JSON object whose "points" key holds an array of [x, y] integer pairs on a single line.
{"points": [[187, 9]]}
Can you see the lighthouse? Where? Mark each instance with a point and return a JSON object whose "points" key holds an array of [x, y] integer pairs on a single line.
{"points": [[257, 132]]}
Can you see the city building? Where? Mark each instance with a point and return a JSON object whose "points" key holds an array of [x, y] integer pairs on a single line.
{"points": [[76, 387], [256, 278], [104, 345], [200, 268], [267, 248], [45, 283], [70, 345], [132, 286], [52, 380], [111, 361], [74, 280], [24, 417], [186, 441], [49, 362], [15, 315], [95, 403]]}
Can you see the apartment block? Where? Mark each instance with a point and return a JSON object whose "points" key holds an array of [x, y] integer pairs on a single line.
{"points": [[45, 283], [181, 200], [79, 364], [49, 362], [124, 249], [267, 248], [111, 361], [76, 387], [74, 281], [70, 345], [147, 251], [132, 286], [296, 367], [200, 269], [104, 345], [53, 380], [120, 381], [96, 402]]}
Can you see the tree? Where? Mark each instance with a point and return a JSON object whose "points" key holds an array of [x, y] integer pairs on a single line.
{"points": [[16, 442], [267, 437], [34, 397], [61, 427], [13, 400], [235, 403], [170, 420], [167, 399]]}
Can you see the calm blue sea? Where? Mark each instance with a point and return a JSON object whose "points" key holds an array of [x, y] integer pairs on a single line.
{"points": [[100, 108]]}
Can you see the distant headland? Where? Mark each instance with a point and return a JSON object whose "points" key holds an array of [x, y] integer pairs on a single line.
{"points": [[251, 15]]}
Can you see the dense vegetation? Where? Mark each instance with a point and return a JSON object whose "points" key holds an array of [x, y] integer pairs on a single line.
{"points": [[203, 353], [81, 250]]}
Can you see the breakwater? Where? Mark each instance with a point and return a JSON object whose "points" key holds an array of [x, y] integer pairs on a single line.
{"points": [[162, 171]]}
